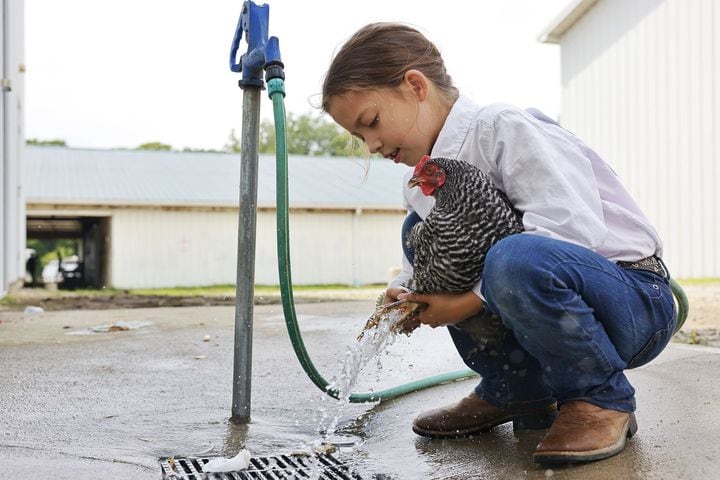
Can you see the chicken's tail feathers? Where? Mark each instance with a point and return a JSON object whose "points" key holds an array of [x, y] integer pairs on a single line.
{"points": [[412, 235]]}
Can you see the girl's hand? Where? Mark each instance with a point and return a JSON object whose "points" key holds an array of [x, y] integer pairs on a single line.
{"points": [[409, 324], [445, 308], [391, 294]]}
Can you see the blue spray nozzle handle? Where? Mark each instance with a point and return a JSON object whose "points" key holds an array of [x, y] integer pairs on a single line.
{"points": [[261, 51], [235, 64]]}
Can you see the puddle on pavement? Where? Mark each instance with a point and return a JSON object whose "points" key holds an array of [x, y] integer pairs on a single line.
{"points": [[334, 425], [109, 328], [154, 401]]}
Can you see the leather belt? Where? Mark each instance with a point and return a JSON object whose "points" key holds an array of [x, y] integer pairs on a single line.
{"points": [[650, 264]]}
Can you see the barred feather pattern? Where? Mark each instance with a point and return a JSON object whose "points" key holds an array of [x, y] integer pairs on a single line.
{"points": [[470, 215]]}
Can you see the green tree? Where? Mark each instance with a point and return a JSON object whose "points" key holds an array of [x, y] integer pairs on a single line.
{"points": [[267, 136], [154, 146], [307, 134], [313, 135], [233, 143], [54, 142], [200, 150], [49, 249]]}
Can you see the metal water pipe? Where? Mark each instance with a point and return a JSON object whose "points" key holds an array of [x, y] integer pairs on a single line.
{"points": [[261, 52]]}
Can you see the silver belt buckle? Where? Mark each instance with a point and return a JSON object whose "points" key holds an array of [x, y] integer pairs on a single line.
{"points": [[649, 264]]}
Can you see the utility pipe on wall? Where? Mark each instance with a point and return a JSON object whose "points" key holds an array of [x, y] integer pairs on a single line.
{"points": [[12, 201], [3, 169]]}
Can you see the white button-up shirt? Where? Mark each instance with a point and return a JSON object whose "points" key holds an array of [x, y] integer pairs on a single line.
{"points": [[562, 187]]}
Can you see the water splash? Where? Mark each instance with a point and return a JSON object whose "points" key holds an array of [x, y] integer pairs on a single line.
{"points": [[357, 356]]}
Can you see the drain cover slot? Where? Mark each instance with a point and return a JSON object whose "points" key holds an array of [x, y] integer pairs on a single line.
{"points": [[322, 466]]}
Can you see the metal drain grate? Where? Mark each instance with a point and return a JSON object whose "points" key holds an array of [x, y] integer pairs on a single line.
{"points": [[322, 466]]}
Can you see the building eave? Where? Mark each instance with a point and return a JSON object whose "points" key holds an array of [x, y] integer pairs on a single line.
{"points": [[573, 12], [48, 206]]}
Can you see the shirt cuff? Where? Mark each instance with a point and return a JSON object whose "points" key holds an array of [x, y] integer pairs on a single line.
{"points": [[476, 291]]}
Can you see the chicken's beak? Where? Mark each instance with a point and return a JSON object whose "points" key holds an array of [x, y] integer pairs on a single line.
{"points": [[415, 181]]}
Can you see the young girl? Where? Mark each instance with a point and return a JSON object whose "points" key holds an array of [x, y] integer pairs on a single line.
{"points": [[582, 291]]}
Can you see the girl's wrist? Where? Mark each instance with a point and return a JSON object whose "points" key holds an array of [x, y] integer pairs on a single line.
{"points": [[472, 304]]}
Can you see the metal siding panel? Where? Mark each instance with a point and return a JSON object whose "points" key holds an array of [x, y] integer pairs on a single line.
{"points": [[13, 203], [694, 106], [620, 126], [650, 120], [667, 225], [714, 157], [645, 176], [683, 99], [154, 248], [380, 246], [664, 206], [674, 161], [639, 85], [592, 88], [321, 248], [707, 80], [266, 270], [689, 241], [3, 106]]}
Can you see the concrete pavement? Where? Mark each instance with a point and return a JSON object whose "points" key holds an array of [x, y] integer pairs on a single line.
{"points": [[82, 405]]}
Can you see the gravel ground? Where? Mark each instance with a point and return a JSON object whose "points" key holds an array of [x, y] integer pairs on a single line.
{"points": [[69, 300], [703, 323]]}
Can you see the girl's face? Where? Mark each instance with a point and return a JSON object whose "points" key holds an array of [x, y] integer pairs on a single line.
{"points": [[399, 124]]}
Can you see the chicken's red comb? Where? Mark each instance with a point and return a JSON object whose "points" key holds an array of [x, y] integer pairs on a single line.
{"points": [[421, 164]]}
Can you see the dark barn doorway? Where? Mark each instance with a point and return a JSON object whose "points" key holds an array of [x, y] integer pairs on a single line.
{"points": [[90, 236]]}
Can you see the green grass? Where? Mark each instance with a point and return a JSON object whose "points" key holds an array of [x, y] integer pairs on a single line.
{"points": [[17, 300], [81, 292], [8, 301], [207, 291]]}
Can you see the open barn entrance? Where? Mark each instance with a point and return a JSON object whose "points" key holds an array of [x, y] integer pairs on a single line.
{"points": [[71, 251]]}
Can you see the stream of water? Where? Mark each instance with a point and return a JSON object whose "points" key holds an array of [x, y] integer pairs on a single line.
{"points": [[357, 356]]}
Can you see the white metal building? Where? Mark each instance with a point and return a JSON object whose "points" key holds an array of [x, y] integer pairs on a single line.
{"points": [[12, 139], [641, 84], [164, 219]]}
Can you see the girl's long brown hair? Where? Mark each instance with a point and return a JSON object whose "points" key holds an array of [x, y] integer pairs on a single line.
{"points": [[378, 55]]}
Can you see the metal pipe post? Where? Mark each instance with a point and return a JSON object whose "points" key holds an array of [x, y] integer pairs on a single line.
{"points": [[246, 255]]}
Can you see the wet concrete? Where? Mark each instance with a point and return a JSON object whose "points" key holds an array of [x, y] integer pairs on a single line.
{"points": [[107, 405]]}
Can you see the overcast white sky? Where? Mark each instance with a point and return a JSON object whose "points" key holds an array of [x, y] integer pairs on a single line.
{"points": [[118, 74]]}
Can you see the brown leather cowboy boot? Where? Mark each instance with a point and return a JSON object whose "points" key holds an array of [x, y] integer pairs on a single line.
{"points": [[583, 432], [472, 415]]}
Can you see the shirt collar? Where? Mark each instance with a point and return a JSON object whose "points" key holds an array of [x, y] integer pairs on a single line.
{"points": [[453, 133]]}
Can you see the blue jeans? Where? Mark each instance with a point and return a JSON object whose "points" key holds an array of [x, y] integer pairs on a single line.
{"points": [[576, 320]]}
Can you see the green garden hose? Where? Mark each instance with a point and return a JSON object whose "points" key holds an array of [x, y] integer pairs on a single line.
{"points": [[276, 91], [682, 304]]}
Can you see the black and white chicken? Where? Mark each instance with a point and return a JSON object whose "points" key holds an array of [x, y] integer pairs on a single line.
{"points": [[470, 215]]}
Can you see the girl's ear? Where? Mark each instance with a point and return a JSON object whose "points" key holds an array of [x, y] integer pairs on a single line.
{"points": [[418, 84]]}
